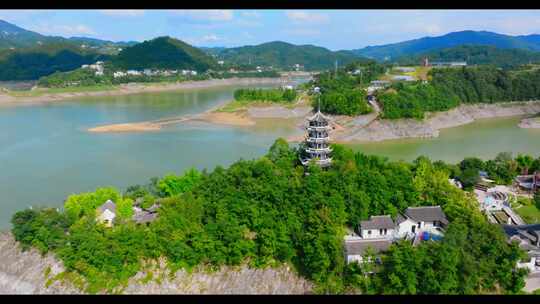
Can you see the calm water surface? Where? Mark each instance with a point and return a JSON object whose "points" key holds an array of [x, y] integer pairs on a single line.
{"points": [[46, 154], [483, 138]]}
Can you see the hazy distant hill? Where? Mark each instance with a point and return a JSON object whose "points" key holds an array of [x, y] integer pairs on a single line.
{"points": [[417, 46], [16, 38], [477, 54], [164, 53], [284, 55]]}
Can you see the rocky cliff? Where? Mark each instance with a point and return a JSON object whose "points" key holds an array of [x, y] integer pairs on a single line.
{"points": [[28, 273]]}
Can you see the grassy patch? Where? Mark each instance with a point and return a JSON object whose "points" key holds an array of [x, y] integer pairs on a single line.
{"points": [[240, 105], [527, 210]]}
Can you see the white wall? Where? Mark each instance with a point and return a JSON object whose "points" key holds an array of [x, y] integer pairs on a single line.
{"points": [[375, 233], [405, 227], [354, 258], [107, 217]]}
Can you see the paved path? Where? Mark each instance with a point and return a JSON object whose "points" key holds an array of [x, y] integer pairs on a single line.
{"points": [[532, 282]]}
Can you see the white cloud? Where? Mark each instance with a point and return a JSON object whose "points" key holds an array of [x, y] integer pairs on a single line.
{"points": [[306, 17], [123, 13], [250, 14], [65, 30], [209, 38], [206, 15]]}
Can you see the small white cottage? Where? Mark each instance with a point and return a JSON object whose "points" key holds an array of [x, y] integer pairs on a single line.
{"points": [[107, 213]]}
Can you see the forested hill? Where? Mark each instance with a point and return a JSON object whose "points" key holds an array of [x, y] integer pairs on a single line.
{"points": [[451, 87], [477, 54], [417, 46], [164, 53], [41, 60], [284, 55]]}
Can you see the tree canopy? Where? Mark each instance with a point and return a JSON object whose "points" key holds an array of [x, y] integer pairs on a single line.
{"points": [[267, 211]]}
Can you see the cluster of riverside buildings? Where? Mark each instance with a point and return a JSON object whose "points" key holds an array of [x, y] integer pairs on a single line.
{"points": [[99, 71], [150, 72]]}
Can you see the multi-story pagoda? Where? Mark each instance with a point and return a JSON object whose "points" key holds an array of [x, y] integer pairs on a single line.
{"points": [[317, 141]]}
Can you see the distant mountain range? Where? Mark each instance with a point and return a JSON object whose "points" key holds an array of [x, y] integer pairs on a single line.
{"points": [[284, 55], [417, 46], [29, 55], [475, 55], [13, 37]]}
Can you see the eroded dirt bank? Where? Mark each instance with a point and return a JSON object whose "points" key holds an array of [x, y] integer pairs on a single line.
{"points": [[384, 129]]}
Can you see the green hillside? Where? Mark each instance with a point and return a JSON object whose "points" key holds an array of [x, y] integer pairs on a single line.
{"points": [[42, 60], [284, 56], [477, 54], [163, 53]]}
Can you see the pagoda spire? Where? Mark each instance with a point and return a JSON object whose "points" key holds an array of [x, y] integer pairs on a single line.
{"points": [[317, 139]]}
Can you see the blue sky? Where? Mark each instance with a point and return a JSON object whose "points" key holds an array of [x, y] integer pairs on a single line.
{"points": [[333, 29]]}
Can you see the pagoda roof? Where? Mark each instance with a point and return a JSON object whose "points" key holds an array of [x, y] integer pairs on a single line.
{"points": [[318, 117]]}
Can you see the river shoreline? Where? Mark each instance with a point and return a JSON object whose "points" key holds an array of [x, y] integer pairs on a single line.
{"points": [[135, 88], [346, 130], [385, 129]]}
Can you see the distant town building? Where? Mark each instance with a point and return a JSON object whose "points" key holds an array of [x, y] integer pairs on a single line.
{"points": [[425, 62], [448, 63], [403, 78], [405, 69], [221, 62], [119, 74]]}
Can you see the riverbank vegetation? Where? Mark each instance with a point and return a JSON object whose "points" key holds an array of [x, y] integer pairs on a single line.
{"points": [[502, 169], [247, 97], [450, 87], [87, 78], [266, 211]]}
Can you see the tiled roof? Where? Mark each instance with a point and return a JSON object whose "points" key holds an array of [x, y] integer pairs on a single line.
{"points": [[359, 247], [426, 214], [318, 117], [378, 222], [110, 205]]}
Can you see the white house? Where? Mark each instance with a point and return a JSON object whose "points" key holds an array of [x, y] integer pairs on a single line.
{"points": [[380, 231], [107, 213], [119, 74], [133, 72], [417, 219], [355, 250], [381, 226]]}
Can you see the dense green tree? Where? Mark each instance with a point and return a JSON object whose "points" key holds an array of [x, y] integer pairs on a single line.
{"points": [[268, 211]]}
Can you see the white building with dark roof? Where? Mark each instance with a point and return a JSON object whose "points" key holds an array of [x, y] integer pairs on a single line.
{"points": [[381, 226], [357, 249], [528, 239], [417, 219], [379, 232], [107, 213]]}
